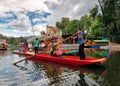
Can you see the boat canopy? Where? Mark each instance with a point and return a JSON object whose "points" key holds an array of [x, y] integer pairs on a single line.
{"points": [[40, 38]]}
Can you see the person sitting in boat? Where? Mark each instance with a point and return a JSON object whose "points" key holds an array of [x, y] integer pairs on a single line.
{"points": [[57, 48], [30, 46], [41, 45], [57, 53]]}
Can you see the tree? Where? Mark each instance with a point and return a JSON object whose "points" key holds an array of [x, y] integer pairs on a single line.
{"points": [[67, 26], [63, 24], [73, 26], [85, 23], [111, 18], [97, 27], [94, 12]]}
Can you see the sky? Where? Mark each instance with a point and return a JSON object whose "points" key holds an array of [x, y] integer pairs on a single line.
{"points": [[25, 17]]}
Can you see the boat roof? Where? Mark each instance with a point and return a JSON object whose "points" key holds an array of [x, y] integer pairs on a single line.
{"points": [[40, 38]]}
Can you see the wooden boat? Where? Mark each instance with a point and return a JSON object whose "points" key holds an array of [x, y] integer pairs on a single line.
{"points": [[97, 42], [65, 59]]}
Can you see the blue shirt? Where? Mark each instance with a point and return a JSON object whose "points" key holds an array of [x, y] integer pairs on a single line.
{"points": [[81, 40]]}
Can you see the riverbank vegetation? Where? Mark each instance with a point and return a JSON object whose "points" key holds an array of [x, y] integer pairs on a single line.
{"points": [[101, 21], [12, 40]]}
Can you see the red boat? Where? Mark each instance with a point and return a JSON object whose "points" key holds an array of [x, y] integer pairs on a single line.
{"points": [[65, 59]]}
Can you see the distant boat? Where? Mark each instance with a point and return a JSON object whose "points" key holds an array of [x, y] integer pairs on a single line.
{"points": [[3, 44], [97, 42]]}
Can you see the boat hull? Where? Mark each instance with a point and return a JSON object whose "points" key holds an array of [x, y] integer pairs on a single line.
{"points": [[67, 60]]}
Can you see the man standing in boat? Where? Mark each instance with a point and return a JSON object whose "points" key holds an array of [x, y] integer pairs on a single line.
{"points": [[80, 37]]}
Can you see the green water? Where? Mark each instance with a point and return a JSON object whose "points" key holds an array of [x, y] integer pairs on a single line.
{"points": [[42, 73]]}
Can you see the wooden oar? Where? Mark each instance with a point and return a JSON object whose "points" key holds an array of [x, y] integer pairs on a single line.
{"points": [[28, 57], [43, 50], [22, 60]]}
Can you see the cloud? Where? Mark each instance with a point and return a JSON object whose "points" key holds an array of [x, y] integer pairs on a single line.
{"points": [[22, 21], [39, 28], [18, 5], [3, 26], [24, 16], [14, 33], [73, 9], [6, 17]]}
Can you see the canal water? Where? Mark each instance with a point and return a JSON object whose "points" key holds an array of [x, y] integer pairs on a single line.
{"points": [[42, 73]]}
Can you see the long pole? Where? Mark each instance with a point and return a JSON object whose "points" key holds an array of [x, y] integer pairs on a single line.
{"points": [[31, 24]]}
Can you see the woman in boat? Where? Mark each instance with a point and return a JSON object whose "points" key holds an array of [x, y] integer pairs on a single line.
{"points": [[80, 37], [36, 46]]}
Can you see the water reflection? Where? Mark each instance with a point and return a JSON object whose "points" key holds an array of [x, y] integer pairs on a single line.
{"points": [[3, 52], [41, 73], [64, 75], [112, 77]]}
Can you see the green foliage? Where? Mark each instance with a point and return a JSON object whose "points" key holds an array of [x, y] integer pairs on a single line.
{"points": [[85, 23], [65, 21], [113, 69], [97, 28], [2, 37], [94, 12], [67, 26], [12, 40], [97, 24], [73, 26], [63, 24], [111, 18]]}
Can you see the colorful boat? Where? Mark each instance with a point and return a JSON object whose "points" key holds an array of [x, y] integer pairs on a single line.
{"points": [[97, 42], [64, 59], [3, 44]]}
